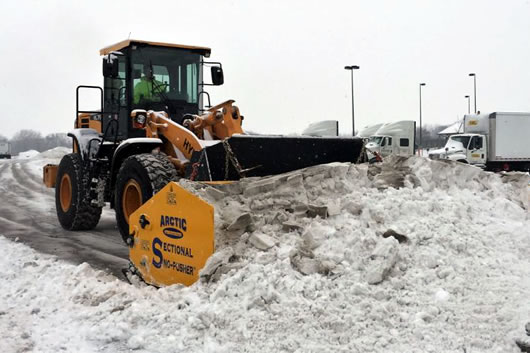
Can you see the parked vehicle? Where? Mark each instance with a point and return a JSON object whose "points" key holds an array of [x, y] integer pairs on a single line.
{"points": [[396, 138], [369, 130], [5, 150], [325, 128], [496, 141]]}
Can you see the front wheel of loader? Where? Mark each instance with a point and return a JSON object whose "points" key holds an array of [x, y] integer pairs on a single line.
{"points": [[139, 178], [74, 210]]}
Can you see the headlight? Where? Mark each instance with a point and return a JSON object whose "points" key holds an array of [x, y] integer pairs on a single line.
{"points": [[139, 121]]}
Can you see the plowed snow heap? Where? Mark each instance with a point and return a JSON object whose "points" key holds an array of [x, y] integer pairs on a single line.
{"points": [[410, 255]]}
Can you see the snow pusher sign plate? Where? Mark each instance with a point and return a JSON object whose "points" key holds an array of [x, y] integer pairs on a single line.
{"points": [[173, 236]]}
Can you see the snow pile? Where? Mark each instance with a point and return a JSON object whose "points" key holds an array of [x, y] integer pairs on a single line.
{"points": [[27, 154], [53, 156], [411, 255], [55, 153]]}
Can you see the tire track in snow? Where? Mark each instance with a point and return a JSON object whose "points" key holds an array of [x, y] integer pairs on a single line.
{"points": [[25, 181], [33, 177], [3, 168], [29, 215]]}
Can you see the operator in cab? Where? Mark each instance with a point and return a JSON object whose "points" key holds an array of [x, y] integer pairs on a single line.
{"points": [[149, 88]]}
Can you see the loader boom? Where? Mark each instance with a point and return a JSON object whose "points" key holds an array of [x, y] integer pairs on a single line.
{"points": [[220, 122]]}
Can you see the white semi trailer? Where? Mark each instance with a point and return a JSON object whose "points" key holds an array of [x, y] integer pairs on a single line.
{"points": [[5, 150], [496, 141], [325, 128]]}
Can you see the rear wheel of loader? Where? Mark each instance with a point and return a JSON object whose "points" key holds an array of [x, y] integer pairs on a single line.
{"points": [[74, 210], [139, 178]]}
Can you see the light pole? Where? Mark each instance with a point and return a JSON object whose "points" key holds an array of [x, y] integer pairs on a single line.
{"points": [[468, 105], [474, 89], [351, 68], [421, 84]]}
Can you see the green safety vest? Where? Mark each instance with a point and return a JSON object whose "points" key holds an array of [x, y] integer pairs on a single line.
{"points": [[144, 89]]}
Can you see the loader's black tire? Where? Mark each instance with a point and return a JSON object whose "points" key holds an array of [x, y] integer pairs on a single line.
{"points": [[74, 210], [139, 178]]}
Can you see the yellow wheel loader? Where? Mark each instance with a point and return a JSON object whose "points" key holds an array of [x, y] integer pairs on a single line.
{"points": [[155, 126]]}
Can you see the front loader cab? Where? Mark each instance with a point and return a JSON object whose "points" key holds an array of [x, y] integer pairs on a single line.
{"points": [[153, 76]]}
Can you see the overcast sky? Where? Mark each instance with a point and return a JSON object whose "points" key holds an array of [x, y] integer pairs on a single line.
{"points": [[283, 60]]}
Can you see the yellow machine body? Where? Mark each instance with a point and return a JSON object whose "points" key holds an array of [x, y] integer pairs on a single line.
{"points": [[88, 120], [49, 175], [173, 236]]}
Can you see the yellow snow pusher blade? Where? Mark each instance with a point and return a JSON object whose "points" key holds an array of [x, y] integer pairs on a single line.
{"points": [[173, 237]]}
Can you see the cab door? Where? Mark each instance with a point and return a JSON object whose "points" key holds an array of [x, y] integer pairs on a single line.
{"points": [[386, 146], [477, 150], [116, 111]]}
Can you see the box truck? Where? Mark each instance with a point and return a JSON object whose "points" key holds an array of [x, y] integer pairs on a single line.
{"points": [[496, 141], [5, 150]]}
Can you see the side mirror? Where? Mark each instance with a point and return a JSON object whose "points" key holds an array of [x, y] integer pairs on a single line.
{"points": [[110, 66], [217, 75]]}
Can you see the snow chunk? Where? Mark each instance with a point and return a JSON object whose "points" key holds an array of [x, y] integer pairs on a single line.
{"points": [[382, 260], [217, 264], [441, 295], [261, 241]]}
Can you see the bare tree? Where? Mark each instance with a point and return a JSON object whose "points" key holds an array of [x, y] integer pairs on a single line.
{"points": [[56, 140], [430, 137], [27, 140]]}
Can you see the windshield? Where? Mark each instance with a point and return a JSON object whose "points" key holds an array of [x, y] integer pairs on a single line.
{"points": [[376, 139], [167, 75], [464, 140]]}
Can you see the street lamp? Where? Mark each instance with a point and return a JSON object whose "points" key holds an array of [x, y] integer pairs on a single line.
{"points": [[421, 84], [475, 89], [468, 104], [351, 68]]}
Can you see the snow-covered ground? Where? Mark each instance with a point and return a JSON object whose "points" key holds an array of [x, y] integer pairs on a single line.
{"points": [[28, 210], [317, 267]]}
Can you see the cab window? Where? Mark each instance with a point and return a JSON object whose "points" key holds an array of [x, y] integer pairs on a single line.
{"points": [[463, 139], [114, 88], [476, 143], [166, 75]]}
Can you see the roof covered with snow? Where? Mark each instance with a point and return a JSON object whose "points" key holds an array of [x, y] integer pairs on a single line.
{"points": [[456, 128]]}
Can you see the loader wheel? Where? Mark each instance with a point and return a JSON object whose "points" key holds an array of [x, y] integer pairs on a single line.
{"points": [[74, 210], [139, 178]]}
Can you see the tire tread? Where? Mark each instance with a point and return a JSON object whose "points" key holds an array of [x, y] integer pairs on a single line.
{"points": [[160, 171], [86, 216]]}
